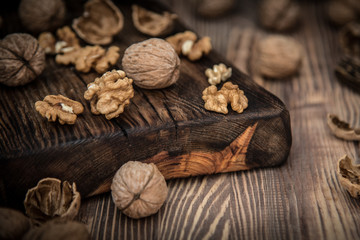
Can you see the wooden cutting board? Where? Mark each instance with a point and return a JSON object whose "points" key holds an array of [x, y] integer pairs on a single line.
{"points": [[168, 127]]}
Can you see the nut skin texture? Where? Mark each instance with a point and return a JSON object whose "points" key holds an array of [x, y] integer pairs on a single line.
{"points": [[151, 23], [21, 59], [110, 94], [51, 199], [59, 229], [277, 56], [42, 15], [152, 64], [138, 189], [279, 15], [100, 21], [13, 224]]}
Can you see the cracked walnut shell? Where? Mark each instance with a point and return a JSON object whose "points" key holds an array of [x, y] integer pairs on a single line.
{"points": [[152, 23], [138, 189], [50, 199], [110, 94], [349, 176], [152, 64], [100, 21], [342, 129], [22, 60], [58, 106]]}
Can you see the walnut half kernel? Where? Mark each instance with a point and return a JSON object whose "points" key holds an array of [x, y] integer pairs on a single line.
{"points": [[110, 94], [59, 107]]}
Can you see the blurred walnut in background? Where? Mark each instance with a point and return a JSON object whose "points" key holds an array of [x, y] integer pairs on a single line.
{"points": [[341, 12], [214, 8]]}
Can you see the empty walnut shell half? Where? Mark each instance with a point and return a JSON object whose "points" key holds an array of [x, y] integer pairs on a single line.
{"points": [[342, 129], [100, 21], [21, 59], [50, 199], [349, 175], [348, 72], [152, 23], [42, 15], [152, 64], [138, 189]]}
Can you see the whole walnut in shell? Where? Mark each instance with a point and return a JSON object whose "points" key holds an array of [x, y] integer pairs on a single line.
{"points": [[138, 189], [21, 59], [152, 64], [277, 56], [42, 15], [13, 224]]}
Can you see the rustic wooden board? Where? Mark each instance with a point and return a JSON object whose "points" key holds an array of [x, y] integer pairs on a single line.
{"points": [[169, 127]]}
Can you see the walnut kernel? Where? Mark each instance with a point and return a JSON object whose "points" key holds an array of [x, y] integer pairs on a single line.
{"points": [[100, 21], [218, 73], [179, 39], [277, 56], [110, 94], [42, 15], [152, 23], [138, 189], [13, 224], [58, 106], [50, 199], [152, 64], [349, 176], [21, 59], [47, 41], [214, 100]]}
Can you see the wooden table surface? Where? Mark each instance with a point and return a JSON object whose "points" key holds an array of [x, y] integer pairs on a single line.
{"points": [[301, 199]]}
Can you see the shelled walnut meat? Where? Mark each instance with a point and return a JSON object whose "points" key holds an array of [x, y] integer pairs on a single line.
{"points": [[42, 15], [110, 94], [151, 23], [21, 59], [59, 107], [13, 224], [100, 21], [277, 56], [51, 198], [218, 73], [138, 189], [349, 176], [152, 64]]}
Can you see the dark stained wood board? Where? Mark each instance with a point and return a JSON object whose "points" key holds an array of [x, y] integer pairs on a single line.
{"points": [[169, 122]]}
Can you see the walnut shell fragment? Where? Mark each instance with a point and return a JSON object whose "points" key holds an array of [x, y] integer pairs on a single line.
{"points": [[59, 229], [100, 21], [152, 64], [110, 94], [42, 15], [50, 199], [22, 60], [342, 129], [59, 107], [138, 189], [152, 23], [349, 176], [13, 224]]}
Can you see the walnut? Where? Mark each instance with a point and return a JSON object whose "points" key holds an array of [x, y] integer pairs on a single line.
{"points": [[279, 15], [277, 56], [349, 176], [58, 106], [21, 59], [59, 229], [350, 39], [342, 129], [42, 15], [89, 57], [13, 224], [110, 94], [218, 73], [138, 189], [217, 101], [100, 21], [214, 8], [152, 64], [50, 199], [348, 72], [185, 43], [68, 40], [47, 41], [340, 13], [152, 23]]}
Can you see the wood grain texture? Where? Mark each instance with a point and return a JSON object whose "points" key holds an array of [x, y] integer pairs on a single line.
{"points": [[171, 120], [303, 198]]}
